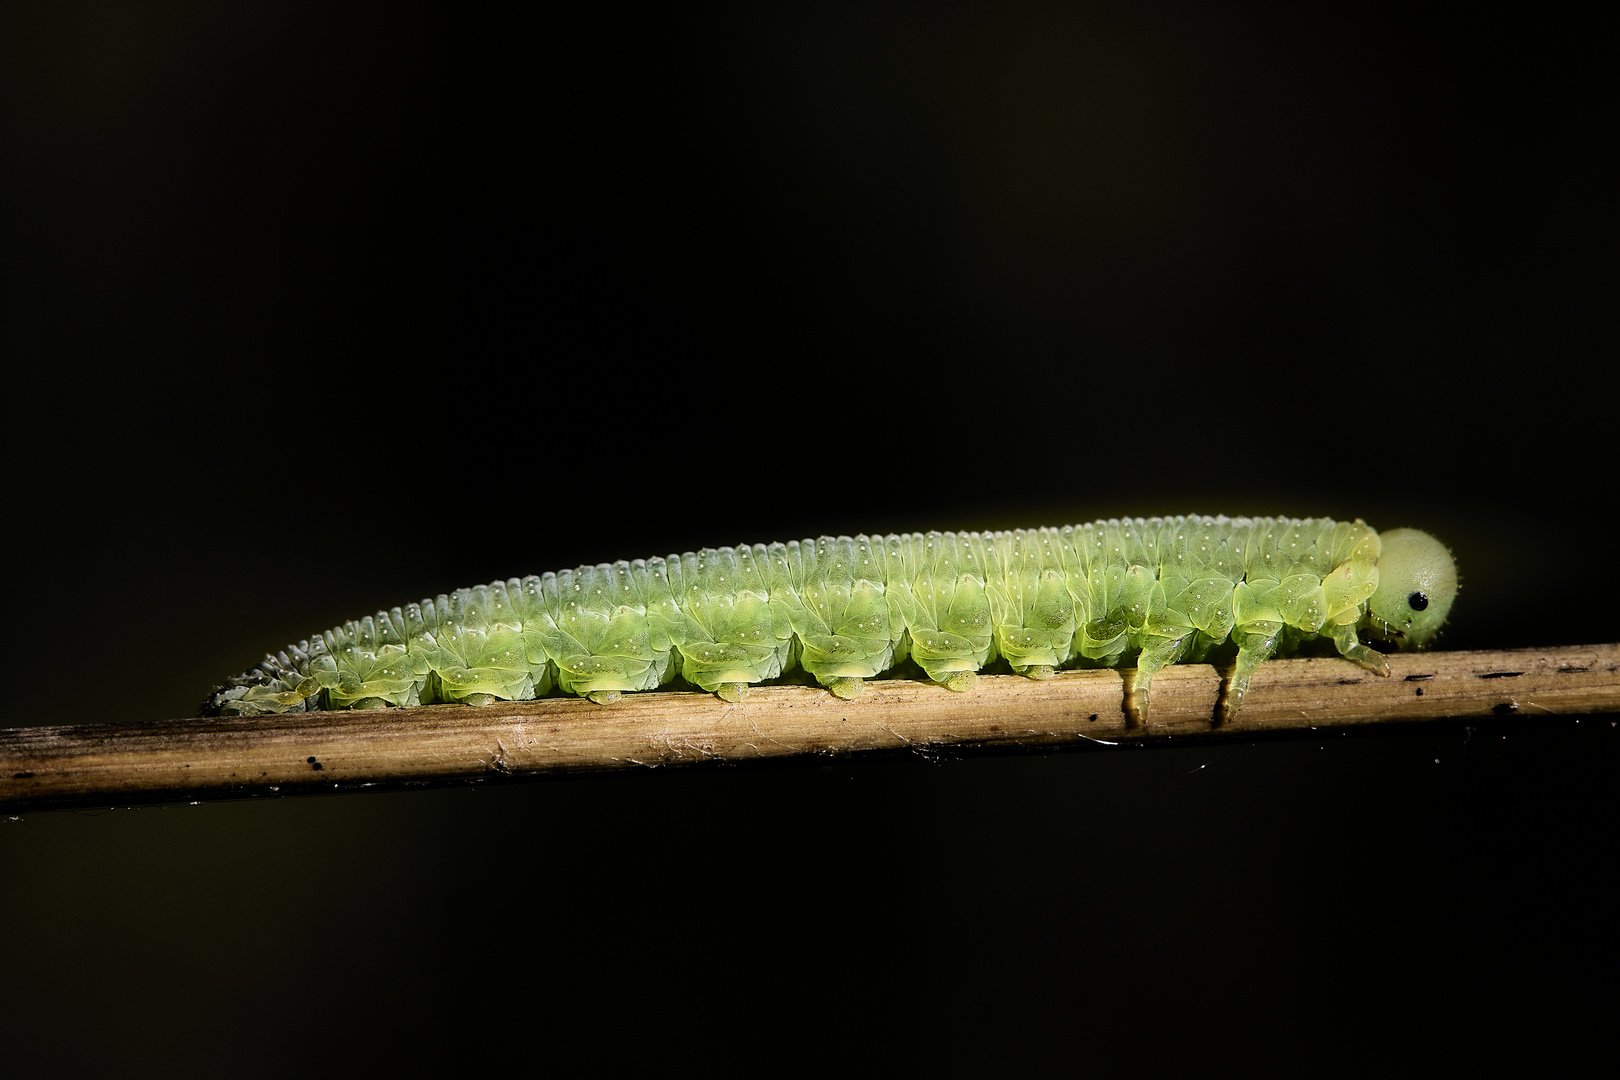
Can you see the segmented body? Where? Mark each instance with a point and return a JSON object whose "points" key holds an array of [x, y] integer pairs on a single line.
{"points": [[844, 609]]}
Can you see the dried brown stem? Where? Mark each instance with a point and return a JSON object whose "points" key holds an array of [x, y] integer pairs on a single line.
{"points": [[214, 758]]}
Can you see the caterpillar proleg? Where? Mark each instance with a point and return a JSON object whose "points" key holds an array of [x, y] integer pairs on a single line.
{"points": [[1152, 591]]}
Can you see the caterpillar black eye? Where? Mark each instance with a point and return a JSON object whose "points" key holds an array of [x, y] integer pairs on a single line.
{"points": [[1417, 601]]}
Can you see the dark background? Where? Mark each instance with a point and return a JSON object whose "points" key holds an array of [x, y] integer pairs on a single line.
{"points": [[311, 309]]}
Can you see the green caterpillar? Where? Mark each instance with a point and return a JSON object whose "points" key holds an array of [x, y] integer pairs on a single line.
{"points": [[1159, 591]]}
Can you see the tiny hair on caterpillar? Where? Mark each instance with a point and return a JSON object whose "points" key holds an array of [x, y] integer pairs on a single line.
{"points": [[1148, 591]]}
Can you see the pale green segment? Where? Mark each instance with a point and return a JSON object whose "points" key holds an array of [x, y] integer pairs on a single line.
{"points": [[1157, 590]]}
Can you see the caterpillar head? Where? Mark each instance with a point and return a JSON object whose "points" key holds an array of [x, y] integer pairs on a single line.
{"points": [[1417, 581]]}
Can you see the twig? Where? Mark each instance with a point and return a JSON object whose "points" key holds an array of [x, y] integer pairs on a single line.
{"points": [[305, 752]]}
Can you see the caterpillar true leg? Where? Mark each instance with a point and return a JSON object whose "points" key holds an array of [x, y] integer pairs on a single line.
{"points": [[1257, 642], [1159, 654], [1351, 648]]}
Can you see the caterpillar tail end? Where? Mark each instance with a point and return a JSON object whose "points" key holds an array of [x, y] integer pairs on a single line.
{"points": [[274, 686]]}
